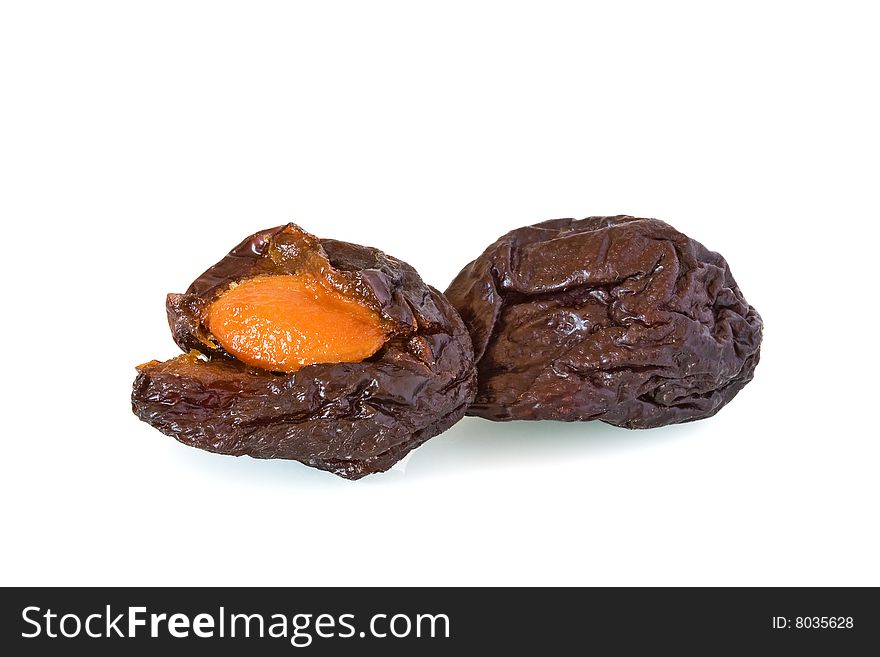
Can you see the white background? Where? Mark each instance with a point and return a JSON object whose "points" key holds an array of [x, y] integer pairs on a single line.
{"points": [[139, 142]]}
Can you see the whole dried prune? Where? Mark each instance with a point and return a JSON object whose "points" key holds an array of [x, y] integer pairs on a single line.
{"points": [[329, 353], [618, 319]]}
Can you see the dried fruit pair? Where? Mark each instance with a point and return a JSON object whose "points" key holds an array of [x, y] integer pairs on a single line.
{"points": [[339, 356]]}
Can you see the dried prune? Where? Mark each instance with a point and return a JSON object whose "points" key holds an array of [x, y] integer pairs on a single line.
{"points": [[329, 353], [618, 319]]}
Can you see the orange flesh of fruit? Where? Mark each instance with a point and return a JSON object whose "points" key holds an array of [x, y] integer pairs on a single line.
{"points": [[282, 323]]}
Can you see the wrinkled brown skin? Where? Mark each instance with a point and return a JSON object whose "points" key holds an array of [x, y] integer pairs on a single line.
{"points": [[617, 319], [352, 419]]}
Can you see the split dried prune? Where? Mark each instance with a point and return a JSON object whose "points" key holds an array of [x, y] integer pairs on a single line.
{"points": [[329, 353], [617, 319]]}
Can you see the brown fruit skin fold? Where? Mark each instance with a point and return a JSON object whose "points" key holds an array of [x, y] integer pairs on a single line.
{"points": [[618, 319], [352, 419]]}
